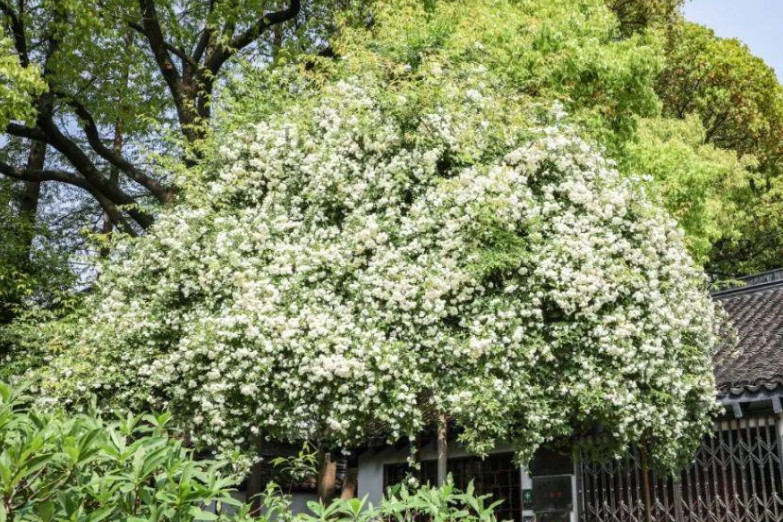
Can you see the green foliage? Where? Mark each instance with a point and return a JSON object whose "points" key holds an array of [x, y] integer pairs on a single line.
{"points": [[442, 504], [68, 467], [702, 186], [554, 51], [740, 104], [27, 277], [736, 95], [636, 15], [400, 504], [35, 289], [299, 468], [558, 50], [18, 86], [498, 251], [56, 467], [37, 334]]}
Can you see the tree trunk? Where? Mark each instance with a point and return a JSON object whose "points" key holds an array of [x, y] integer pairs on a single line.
{"points": [[255, 482], [646, 484], [30, 197], [351, 484], [327, 478], [443, 449], [114, 180]]}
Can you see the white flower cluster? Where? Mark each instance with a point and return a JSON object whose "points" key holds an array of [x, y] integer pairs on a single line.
{"points": [[355, 272]]}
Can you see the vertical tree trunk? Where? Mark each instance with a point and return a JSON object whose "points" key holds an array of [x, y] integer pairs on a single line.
{"points": [[443, 449], [114, 180], [255, 483], [30, 197], [327, 478], [351, 484], [646, 484]]}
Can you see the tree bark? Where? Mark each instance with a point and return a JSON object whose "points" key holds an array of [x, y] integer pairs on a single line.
{"points": [[327, 478], [30, 197], [443, 449], [114, 180], [646, 484], [117, 143], [255, 483], [351, 484]]}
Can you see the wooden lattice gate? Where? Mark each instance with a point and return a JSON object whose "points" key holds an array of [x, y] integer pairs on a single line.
{"points": [[736, 476]]}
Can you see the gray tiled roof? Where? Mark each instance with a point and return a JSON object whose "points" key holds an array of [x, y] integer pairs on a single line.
{"points": [[754, 362]]}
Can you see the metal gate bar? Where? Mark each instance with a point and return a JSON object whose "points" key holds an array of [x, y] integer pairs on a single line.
{"points": [[736, 476]]}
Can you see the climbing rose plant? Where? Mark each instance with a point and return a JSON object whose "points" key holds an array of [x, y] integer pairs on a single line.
{"points": [[353, 265]]}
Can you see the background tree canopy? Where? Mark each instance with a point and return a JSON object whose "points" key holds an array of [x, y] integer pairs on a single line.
{"points": [[740, 104]]}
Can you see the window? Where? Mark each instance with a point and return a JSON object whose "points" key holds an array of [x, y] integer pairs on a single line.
{"points": [[497, 475]]}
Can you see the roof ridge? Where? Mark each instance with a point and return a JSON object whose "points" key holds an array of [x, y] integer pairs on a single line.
{"points": [[747, 289]]}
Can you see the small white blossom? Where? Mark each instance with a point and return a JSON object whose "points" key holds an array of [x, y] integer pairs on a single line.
{"points": [[336, 274]]}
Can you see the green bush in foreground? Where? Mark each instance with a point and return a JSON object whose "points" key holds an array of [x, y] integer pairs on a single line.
{"points": [[400, 504], [56, 466]]}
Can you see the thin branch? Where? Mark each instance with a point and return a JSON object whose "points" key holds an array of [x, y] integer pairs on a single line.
{"points": [[202, 44], [17, 28], [205, 37], [115, 214], [116, 159], [267, 21], [152, 31], [178, 51], [239, 42], [39, 176]]}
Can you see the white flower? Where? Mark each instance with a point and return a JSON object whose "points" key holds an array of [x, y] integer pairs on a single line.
{"points": [[342, 274], [248, 390]]}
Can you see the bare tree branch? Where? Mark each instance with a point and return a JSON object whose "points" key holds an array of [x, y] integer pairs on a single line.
{"points": [[39, 176], [23, 131], [239, 42], [87, 168], [93, 137], [178, 51], [69, 178]]}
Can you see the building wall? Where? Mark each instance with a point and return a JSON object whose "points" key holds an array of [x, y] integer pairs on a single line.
{"points": [[371, 466], [371, 472]]}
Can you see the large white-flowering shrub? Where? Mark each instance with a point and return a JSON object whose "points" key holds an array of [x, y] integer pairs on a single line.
{"points": [[353, 264]]}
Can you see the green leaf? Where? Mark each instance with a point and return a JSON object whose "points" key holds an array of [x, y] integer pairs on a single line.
{"points": [[5, 393], [200, 514]]}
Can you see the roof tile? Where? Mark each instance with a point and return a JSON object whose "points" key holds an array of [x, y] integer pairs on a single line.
{"points": [[755, 361]]}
